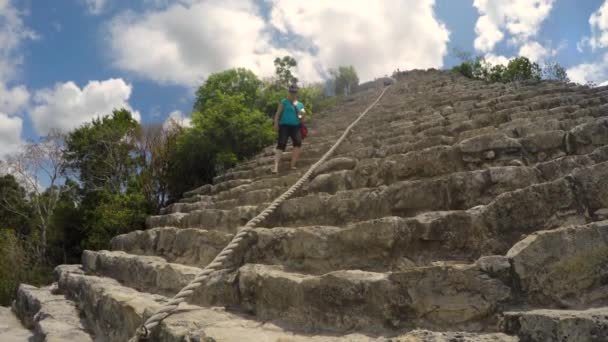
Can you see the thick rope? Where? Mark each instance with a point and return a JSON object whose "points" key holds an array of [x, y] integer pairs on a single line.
{"points": [[143, 332]]}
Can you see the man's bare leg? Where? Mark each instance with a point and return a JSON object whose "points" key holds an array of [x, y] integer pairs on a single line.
{"points": [[295, 155], [277, 160]]}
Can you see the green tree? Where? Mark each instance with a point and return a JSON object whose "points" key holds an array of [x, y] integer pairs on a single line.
{"points": [[345, 78], [15, 211], [101, 152], [224, 133], [19, 263], [106, 156], [238, 81], [283, 71], [554, 71], [114, 214], [521, 69], [66, 231]]}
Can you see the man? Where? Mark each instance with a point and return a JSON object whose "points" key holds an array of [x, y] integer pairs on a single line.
{"points": [[287, 121]]}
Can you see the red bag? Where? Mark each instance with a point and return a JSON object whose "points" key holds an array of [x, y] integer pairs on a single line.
{"points": [[303, 131]]}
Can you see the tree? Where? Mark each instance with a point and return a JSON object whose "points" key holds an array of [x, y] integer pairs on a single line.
{"points": [[346, 79], [283, 71], [517, 69], [554, 71], [157, 144], [106, 156], [67, 227], [15, 210], [38, 164], [225, 132], [101, 152], [230, 82], [521, 69], [19, 263]]}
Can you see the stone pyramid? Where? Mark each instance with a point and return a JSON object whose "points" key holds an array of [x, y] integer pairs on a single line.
{"points": [[455, 211]]}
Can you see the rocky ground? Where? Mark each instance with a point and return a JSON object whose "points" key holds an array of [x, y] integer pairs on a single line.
{"points": [[456, 211]]}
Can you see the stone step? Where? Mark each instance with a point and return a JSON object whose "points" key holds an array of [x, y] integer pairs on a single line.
{"points": [[474, 152], [558, 325], [511, 128], [561, 267], [51, 316], [430, 125], [11, 329], [190, 246], [480, 150], [363, 204], [155, 275], [116, 311], [427, 296]]}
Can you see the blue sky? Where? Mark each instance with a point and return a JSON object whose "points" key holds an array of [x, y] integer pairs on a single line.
{"points": [[64, 62]]}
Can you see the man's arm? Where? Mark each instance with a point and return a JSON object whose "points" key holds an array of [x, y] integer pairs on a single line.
{"points": [[277, 115], [302, 113]]}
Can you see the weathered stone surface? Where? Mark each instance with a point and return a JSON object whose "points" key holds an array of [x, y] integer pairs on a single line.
{"points": [[193, 247], [52, 317], [347, 300], [11, 329], [336, 164], [406, 227], [565, 267], [558, 325], [487, 142], [155, 275], [112, 311]]}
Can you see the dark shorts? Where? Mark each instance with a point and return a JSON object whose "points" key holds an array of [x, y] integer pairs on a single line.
{"points": [[286, 132]]}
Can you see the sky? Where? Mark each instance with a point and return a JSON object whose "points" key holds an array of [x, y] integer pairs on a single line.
{"points": [[65, 62]]}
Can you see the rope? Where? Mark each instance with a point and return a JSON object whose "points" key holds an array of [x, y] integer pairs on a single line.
{"points": [[142, 334]]}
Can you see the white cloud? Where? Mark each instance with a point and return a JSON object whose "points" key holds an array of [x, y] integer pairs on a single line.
{"points": [[590, 72], [13, 33], [519, 18], [13, 99], [599, 28], [176, 117], [536, 52], [497, 59], [183, 44], [95, 6], [375, 37], [66, 106], [186, 41], [10, 134]]}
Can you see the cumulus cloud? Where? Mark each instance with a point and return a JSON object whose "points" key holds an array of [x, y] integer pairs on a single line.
{"points": [[13, 33], [10, 134], [521, 19], [371, 36], [186, 41], [590, 72], [67, 106], [496, 59], [176, 117], [599, 28], [536, 52], [13, 99]]}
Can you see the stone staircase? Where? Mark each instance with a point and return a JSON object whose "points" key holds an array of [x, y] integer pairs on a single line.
{"points": [[455, 211]]}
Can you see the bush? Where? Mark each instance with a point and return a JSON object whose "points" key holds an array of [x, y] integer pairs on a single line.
{"points": [[18, 264], [518, 69]]}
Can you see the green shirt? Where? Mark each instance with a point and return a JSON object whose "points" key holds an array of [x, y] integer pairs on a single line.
{"points": [[289, 116]]}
